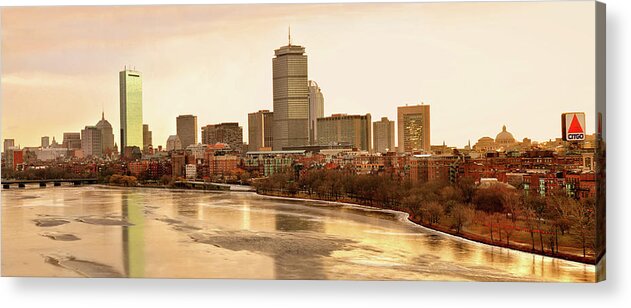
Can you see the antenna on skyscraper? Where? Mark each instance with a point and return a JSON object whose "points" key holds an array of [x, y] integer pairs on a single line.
{"points": [[289, 35]]}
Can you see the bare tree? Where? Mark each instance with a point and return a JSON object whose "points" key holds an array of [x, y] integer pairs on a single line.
{"points": [[582, 215], [461, 216], [435, 212]]}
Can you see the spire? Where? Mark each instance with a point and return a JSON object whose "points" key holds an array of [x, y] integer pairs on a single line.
{"points": [[102, 115], [289, 35]]}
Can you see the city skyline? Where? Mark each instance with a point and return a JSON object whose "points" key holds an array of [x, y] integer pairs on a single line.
{"points": [[69, 89]]}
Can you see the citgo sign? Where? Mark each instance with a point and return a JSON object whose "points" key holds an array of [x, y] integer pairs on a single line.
{"points": [[573, 126]]}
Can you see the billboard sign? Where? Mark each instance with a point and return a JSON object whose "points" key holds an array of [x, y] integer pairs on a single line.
{"points": [[573, 126]]}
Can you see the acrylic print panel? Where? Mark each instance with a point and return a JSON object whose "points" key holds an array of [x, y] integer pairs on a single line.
{"points": [[294, 141]]}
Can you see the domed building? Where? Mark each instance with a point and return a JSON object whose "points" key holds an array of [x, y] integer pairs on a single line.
{"points": [[505, 139], [485, 144], [107, 135]]}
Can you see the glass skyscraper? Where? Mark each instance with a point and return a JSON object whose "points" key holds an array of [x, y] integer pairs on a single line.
{"points": [[291, 97], [131, 109]]}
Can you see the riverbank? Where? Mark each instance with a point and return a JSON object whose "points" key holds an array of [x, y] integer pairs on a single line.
{"points": [[464, 234]]}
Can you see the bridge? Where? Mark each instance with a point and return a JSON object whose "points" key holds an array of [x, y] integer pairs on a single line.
{"points": [[6, 184]]}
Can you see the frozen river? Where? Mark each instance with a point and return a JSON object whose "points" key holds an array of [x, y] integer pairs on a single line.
{"points": [[97, 231]]}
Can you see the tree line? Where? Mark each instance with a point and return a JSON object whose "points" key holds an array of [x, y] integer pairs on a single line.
{"points": [[503, 214]]}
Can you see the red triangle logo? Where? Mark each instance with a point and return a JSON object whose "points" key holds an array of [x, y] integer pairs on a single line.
{"points": [[575, 126]]}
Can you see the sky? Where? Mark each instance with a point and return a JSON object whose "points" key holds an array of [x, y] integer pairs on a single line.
{"points": [[478, 65]]}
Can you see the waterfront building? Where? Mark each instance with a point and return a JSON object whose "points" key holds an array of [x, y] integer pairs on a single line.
{"points": [[267, 163], [159, 168], [72, 141], [173, 143], [147, 138], [45, 142], [191, 171], [107, 135], [291, 97], [8, 144], [130, 82], [15, 158], [222, 165], [138, 168], [91, 143], [413, 128], [229, 133], [316, 110], [178, 163], [260, 127], [342, 128], [187, 129], [383, 136]]}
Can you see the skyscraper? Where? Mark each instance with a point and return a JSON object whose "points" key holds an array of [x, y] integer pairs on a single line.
{"points": [[147, 137], [130, 82], [229, 133], [72, 141], [316, 110], [345, 129], [291, 97], [413, 128], [383, 135], [91, 141], [45, 142], [187, 129], [260, 129], [7, 146], [107, 135]]}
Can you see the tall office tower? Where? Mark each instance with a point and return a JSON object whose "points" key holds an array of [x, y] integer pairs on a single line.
{"points": [[107, 135], [316, 110], [130, 82], [187, 129], [147, 137], [413, 128], [8, 145], [260, 129], [383, 135], [45, 142], [72, 141], [174, 143], [228, 133], [353, 130], [91, 142], [291, 97]]}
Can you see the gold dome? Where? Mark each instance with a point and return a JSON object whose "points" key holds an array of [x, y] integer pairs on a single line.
{"points": [[504, 137]]}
